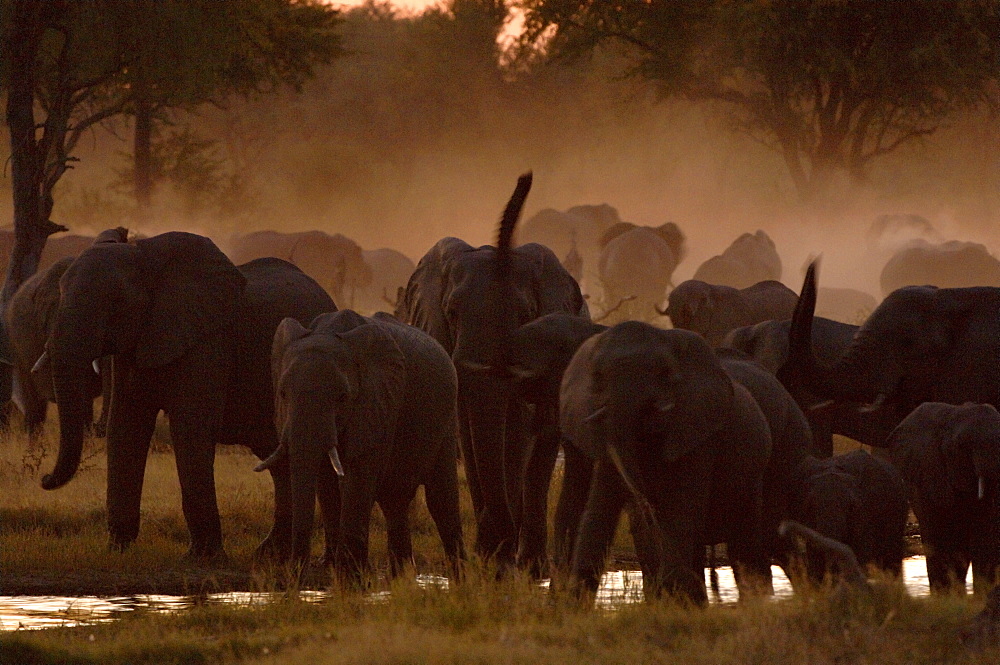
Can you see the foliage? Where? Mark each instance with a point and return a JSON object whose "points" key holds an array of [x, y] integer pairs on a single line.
{"points": [[831, 85]]}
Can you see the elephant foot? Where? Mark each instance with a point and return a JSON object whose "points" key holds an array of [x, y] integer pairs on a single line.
{"points": [[204, 559]]}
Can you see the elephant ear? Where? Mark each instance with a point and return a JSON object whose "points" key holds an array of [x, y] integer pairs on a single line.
{"points": [[917, 448], [576, 400], [381, 370], [288, 331], [613, 232], [708, 394], [555, 289], [422, 303], [194, 291]]}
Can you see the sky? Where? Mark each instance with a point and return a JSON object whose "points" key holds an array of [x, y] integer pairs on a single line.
{"points": [[417, 6]]}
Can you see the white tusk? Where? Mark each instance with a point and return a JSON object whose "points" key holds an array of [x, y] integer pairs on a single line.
{"points": [[40, 364], [597, 413], [663, 407], [520, 372], [97, 368], [279, 455], [982, 487], [821, 405], [335, 459]]}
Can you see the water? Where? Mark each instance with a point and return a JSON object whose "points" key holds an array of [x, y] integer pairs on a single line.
{"points": [[617, 588]]}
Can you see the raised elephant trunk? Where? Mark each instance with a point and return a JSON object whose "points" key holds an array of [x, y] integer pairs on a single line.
{"points": [[856, 377]]}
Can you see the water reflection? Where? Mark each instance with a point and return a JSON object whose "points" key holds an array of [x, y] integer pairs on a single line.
{"points": [[617, 588]]}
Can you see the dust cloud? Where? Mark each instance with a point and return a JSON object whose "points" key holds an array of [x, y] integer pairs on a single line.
{"points": [[418, 134]]}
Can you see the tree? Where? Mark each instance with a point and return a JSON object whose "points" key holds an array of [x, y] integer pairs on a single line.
{"points": [[831, 84]]}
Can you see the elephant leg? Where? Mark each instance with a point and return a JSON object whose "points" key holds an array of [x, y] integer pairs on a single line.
{"points": [[34, 404], [644, 540], [578, 471], [130, 429], [821, 425], [946, 569], [395, 507], [468, 457], [357, 498], [599, 522], [535, 502], [441, 495], [328, 492], [194, 451]]}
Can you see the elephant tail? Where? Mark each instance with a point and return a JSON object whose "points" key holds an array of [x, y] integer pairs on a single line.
{"points": [[505, 235]]}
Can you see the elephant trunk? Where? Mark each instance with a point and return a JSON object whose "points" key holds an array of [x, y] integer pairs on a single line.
{"points": [[308, 446], [75, 346], [75, 411]]}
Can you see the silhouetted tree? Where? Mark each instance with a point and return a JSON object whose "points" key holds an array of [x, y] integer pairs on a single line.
{"points": [[830, 84]]}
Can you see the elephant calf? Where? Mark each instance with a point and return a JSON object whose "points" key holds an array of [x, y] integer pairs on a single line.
{"points": [[377, 398], [858, 500]]}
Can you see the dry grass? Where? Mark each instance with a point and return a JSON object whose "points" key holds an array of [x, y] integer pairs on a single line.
{"points": [[56, 541]]}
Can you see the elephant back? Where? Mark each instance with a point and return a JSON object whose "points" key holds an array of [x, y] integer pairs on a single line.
{"points": [[275, 289], [947, 265]]}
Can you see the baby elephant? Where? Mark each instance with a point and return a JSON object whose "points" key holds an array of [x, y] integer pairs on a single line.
{"points": [[376, 398], [858, 500], [950, 460]]}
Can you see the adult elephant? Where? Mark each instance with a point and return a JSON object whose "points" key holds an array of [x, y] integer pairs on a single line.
{"points": [[767, 344], [946, 265], [858, 500], [638, 262], [890, 232], [844, 305], [378, 397], [712, 310], [950, 459], [190, 334], [470, 300], [672, 434], [751, 258], [390, 271], [30, 318], [335, 261], [922, 344], [574, 236]]}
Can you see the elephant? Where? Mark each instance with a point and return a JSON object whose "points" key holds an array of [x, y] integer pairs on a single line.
{"points": [[638, 262], [767, 344], [890, 232], [751, 258], [949, 457], [29, 319], [390, 271], [921, 344], [379, 398], [844, 305], [858, 500], [712, 310], [189, 334], [470, 300], [335, 261], [946, 265], [677, 439], [577, 230]]}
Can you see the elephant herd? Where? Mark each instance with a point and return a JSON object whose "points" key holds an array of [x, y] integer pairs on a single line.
{"points": [[716, 430]]}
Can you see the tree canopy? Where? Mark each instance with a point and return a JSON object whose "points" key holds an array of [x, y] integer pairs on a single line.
{"points": [[831, 84]]}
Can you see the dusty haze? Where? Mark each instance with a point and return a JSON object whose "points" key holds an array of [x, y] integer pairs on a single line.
{"points": [[406, 141]]}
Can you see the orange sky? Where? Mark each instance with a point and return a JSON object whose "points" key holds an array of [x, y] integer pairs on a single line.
{"points": [[513, 28]]}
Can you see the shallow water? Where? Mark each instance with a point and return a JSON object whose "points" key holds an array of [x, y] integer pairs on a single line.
{"points": [[617, 588]]}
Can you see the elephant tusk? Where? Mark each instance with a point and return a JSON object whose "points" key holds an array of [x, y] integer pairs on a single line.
{"points": [[982, 487], [335, 460], [279, 455], [596, 413], [821, 405], [664, 406], [874, 406], [520, 372], [97, 368], [475, 367], [41, 363]]}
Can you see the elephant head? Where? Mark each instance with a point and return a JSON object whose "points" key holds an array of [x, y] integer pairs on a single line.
{"points": [[711, 310], [946, 450], [150, 302], [894, 356], [338, 385]]}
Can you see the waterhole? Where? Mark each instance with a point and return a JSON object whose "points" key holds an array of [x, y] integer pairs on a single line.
{"points": [[618, 588]]}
